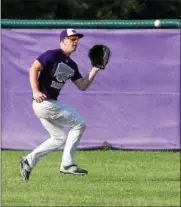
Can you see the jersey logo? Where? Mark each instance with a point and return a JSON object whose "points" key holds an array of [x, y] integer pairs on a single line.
{"points": [[62, 74]]}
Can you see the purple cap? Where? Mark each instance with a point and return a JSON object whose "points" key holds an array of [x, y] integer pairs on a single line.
{"points": [[69, 33]]}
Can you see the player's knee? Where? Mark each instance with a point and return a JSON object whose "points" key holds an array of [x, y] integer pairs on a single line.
{"points": [[81, 126]]}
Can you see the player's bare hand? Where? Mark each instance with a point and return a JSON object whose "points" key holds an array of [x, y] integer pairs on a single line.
{"points": [[39, 97]]}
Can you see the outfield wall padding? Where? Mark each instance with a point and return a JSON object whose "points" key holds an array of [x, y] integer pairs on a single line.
{"points": [[133, 104]]}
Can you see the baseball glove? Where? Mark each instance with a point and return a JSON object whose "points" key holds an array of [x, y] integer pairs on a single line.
{"points": [[99, 56]]}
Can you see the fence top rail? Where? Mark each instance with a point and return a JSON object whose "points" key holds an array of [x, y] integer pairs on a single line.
{"points": [[88, 24]]}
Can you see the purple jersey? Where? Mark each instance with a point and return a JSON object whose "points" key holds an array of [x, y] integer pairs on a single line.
{"points": [[57, 69]]}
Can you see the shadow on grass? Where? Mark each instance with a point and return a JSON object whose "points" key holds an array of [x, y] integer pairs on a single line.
{"points": [[140, 179]]}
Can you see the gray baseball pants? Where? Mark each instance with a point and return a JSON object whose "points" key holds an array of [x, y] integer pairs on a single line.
{"points": [[55, 117]]}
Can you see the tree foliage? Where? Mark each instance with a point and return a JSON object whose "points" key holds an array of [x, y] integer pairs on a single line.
{"points": [[90, 9]]}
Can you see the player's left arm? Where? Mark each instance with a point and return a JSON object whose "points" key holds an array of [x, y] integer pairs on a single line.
{"points": [[99, 56], [83, 83]]}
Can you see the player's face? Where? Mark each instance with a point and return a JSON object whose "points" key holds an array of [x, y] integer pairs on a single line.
{"points": [[72, 43]]}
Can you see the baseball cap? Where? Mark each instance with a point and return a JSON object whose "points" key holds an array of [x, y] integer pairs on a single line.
{"points": [[68, 33]]}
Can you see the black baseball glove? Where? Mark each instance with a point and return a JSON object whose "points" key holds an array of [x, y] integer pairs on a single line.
{"points": [[99, 56]]}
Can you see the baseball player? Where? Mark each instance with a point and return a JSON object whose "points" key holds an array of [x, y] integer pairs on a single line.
{"points": [[48, 74]]}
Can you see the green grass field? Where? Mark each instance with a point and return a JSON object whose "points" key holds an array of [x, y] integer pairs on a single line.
{"points": [[116, 178]]}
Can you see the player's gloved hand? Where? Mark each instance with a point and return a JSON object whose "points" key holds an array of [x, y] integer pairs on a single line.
{"points": [[99, 56], [39, 96]]}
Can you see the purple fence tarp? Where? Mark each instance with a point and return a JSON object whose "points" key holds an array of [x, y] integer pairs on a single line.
{"points": [[133, 104]]}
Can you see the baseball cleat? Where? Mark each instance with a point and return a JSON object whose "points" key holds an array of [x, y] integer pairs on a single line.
{"points": [[73, 169], [25, 169]]}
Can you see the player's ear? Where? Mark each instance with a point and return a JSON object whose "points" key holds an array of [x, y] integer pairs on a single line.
{"points": [[63, 41]]}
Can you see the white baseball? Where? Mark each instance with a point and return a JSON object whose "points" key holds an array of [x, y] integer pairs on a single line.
{"points": [[157, 23]]}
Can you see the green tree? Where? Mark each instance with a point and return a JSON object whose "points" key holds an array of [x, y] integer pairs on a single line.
{"points": [[157, 9], [90, 9]]}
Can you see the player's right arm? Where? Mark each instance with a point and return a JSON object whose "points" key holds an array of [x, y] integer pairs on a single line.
{"points": [[35, 68]]}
